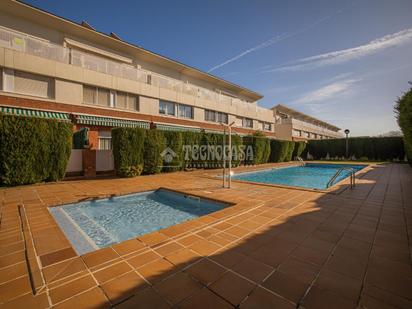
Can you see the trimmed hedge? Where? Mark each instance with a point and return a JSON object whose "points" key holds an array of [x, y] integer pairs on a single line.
{"points": [[154, 145], [174, 161], [128, 150], [261, 148], [33, 149], [299, 149], [371, 148], [403, 109], [289, 153], [279, 150], [189, 139]]}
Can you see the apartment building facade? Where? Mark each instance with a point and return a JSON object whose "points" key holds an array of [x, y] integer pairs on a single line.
{"points": [[294, 125]]}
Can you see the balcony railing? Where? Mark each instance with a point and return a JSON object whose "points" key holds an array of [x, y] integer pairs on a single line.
{"points": [[37, 47], [312, 128]]}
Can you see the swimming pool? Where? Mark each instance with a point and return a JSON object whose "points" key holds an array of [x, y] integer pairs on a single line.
{"points": [[311, 176], [100, 223]]}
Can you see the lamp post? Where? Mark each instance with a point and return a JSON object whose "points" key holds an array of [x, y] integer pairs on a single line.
{"points": [[347, 143]]}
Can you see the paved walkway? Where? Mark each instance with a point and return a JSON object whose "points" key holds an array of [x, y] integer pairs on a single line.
{"points": [[275, 248]]}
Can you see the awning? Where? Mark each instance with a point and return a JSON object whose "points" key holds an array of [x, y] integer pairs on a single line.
{"points": [[166, 127], [34, 113], [111, 122]]}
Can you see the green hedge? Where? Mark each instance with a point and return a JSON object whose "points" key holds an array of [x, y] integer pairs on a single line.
{"points": [[261, 148], [153, 147], [403, 109], [370, 148], [189, 139], [33, 149], [174, 161], [128, 150], [299, 149], [289, 153], [279, 150]]}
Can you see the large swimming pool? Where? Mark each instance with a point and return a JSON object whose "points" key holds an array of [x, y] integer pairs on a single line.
{"points": [[96, 224], [311, 176]]}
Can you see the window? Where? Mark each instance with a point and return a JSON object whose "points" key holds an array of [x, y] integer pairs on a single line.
{"points": [[266, 126], [185, 111], [216, 116], [103, 97], [121, 100], [247, 123], [28, 83], [167, 108], [222, 117], [105, 140], [210, 115], [89, 95], [132, 102]]}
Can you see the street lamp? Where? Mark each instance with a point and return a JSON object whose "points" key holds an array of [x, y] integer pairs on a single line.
{"points": [[347, 143]]}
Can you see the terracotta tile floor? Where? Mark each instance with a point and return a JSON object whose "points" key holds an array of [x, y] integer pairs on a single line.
{"points": [[274, 248]]}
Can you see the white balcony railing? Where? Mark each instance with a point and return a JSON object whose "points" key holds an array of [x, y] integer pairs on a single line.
{"points": [[37, 47]]}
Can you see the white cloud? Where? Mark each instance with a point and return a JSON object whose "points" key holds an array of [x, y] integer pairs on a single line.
{"points": [[327, 92], [392, 40], [277, 39]]}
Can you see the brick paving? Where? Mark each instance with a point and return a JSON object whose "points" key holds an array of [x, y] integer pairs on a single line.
{"points": [[274, 248]]}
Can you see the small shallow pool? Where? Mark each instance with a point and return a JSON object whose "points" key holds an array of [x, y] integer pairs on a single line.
{"points": [[100, 223], [311, 176]]}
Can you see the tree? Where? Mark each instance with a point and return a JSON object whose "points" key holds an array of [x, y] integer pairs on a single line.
{"points": [[403, 111]]}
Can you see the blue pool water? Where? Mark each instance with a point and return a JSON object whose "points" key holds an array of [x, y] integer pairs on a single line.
{"points": [[96, 224], [312, 176]]}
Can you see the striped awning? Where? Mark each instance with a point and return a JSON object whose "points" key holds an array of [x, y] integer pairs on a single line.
{"points": [[166, 127], [34, 113], [111, 122]]}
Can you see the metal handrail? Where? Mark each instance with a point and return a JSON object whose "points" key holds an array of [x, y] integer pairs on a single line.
{"points": [[352, 176], [301, 161]]}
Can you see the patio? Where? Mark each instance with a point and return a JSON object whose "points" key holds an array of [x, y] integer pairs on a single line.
{"points": [[275, 248]]}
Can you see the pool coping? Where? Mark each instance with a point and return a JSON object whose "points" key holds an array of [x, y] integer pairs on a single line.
{"points": [[331, 190]]}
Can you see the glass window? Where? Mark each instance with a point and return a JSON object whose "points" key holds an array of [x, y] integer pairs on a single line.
{"points": [[89, 94], [247, 123], [210, 115], [103, 97], [267, 126], [167, 108], [222, 117], [132, 102], [105, 143], [185, 111], [121, 100], [32, 84]]}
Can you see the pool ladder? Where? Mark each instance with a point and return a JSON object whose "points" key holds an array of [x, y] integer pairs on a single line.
{"points": [[302, 163], [345, 168]]}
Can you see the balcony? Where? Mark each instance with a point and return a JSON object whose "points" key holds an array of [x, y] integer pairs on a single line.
{"points": [[309, 127], [40, 48]]}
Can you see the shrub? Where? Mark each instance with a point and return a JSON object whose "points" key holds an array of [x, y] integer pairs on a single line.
{"points": [[375, 148], [299, 149], [291, 148], [278, 150], [33, 149], [189, 139], [174, 142], [154, 145], [236, 150], [128, 150], [261, 148], [403, 109]]}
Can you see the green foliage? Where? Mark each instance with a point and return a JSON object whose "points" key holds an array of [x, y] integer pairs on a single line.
{"points": [[261, 148], [174, 142], [33, 149], [374, 148], [403, 109], [236, 150], [153, 147], [128, 150], [189, 139], [289, 154], [81, 138], [278, 150], [299, 149]]}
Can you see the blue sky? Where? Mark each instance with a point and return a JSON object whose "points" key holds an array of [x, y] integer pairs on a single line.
{"points": [[343, 61]]}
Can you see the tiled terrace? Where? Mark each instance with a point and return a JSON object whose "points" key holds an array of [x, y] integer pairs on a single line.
{"points": [[275, 248]]}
